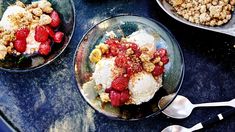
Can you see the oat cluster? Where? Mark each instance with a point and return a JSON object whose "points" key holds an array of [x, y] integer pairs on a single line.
{"points": [[205, 12]]}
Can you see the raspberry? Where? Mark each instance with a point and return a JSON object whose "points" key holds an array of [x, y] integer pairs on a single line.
{"points": [[158, 70], [134, 47], [44, 49], [160, 52], [112, 42], [120, 83], [50, 31], [55, 19], [121, 61], [124, 96], [108, 90], [48, 42], [22, 33], [41, 34], [115, 98], [58, 38], [20, 45], [134, 68], [165, 59]]}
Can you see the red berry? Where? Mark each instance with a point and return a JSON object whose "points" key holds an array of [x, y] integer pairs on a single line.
{"points": [[122, 48], [44, 49], [158, 70], [134, 68], [113, 50], [108, 90], [121, 61], [115, 98], [134, 46], [41, 34], [20, 45], [55, 19], [112, 42], [48, 42], [22, 33], [50, 31], [125, 96], [165, 59], [120, 83], [161, 52], [58, 38]]}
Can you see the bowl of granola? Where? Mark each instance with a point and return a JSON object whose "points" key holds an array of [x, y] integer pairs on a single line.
{"points": [[213, 15], [125, 64], [33, 33]]}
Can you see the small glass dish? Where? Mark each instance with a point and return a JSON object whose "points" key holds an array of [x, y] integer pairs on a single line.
{"points": [[173, 76], [26, 63]]}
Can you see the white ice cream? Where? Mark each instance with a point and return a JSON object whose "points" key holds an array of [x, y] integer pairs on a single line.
{"points": [[5, 22], [143, 86], [105, 72], [32, 44], [142, 39]]}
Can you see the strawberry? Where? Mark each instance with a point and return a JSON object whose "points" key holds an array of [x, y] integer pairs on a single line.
{"points": [[20, 45], [115, 98], [158, 70], [120, 83], [50, 31], [165, 59], [44, 49], [58, 37], [55, 19], [22, 33], [124, 96], [41, 34]]}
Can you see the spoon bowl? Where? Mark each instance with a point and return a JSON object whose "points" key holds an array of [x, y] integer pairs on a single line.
{"points": [[180, 108], [228, 28], [176, 128]]}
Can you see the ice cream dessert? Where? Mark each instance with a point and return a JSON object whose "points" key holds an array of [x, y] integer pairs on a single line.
{"points": [[127, 70], [29, 29]]}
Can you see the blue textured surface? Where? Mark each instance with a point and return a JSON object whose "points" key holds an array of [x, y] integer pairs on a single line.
{"points": [[47, 99]]}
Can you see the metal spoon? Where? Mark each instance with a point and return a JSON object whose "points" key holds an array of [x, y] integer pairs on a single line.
{"points": [[201, 125], [181, 107], [228, 28]]}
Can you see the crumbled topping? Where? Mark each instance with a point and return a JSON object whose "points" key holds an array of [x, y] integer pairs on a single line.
{"points": [[45, 20], [148, 66], [105, 97], [206, 12]]}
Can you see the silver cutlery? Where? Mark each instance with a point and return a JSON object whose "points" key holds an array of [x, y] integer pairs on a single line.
{"points": [[181, 107], [201, 125]]}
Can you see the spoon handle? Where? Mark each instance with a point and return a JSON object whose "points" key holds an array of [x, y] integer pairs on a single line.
{"points": [[213, 120], [219, 117], [215, 104]]}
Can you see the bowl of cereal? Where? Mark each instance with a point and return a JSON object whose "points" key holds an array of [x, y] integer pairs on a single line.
{"points": [[210, 15], [33, 33], [125, 64]]}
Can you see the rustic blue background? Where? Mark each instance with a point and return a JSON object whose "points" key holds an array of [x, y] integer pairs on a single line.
{"points": [[47, 99]]}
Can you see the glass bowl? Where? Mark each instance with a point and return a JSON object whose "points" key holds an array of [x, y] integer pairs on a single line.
{"points": [[174, 70], [27, 63]]}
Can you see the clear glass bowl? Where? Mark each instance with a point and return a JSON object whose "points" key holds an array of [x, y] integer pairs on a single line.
{"points": [[28, 63], [172, 79]]}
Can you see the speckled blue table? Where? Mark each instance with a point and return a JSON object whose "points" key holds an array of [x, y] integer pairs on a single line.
{"points": [[48, 100]]}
